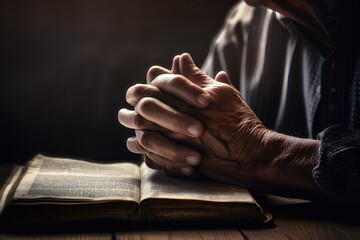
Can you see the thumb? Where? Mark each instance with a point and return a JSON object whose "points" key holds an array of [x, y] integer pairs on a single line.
{"points": [[189, 70], [222, 77]]}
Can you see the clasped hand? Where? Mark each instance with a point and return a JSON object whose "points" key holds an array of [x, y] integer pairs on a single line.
{"points": [[187, 123]]}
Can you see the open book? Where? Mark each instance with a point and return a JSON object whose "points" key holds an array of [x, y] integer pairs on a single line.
{"points": [[60, 190]]}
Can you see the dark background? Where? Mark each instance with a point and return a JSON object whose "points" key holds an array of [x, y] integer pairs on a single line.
{"points": [[66, 65]]}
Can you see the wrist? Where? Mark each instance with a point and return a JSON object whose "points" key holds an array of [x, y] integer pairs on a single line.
{"points": [[288, 164]]}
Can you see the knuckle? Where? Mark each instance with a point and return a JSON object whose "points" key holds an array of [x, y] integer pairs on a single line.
{"points": [[139, 121], [134, 146], [145, 104], [227, 89], [138, 148], [145, 140], [176, 81], [134, 93], [120, 115], [137, 90]]}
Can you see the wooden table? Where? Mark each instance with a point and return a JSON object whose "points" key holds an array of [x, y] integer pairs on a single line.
{"points": [[293, 219]]}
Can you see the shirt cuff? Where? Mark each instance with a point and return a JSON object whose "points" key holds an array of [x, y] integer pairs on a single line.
{"points": [[338, 172]]}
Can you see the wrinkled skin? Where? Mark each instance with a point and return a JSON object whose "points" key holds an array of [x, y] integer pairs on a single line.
{"points": [[188, 124], [232, 137]]}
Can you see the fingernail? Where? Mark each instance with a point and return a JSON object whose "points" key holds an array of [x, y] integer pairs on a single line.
{"points": [[203, 99], [186, 171], [193, 160], [194, 130]]}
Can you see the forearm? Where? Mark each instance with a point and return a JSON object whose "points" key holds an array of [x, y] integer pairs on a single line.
{"points": [[290, 162], [275, 164]]}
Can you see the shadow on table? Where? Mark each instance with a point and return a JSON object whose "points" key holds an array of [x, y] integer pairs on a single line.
{"points": [[280, 207]]}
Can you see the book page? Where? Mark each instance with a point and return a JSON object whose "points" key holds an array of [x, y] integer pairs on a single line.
{"points": [[69, 179], [5, 192], [154, 184]]}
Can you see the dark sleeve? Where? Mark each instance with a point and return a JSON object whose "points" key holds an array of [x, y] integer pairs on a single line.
{"points": [[338, 171]]}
